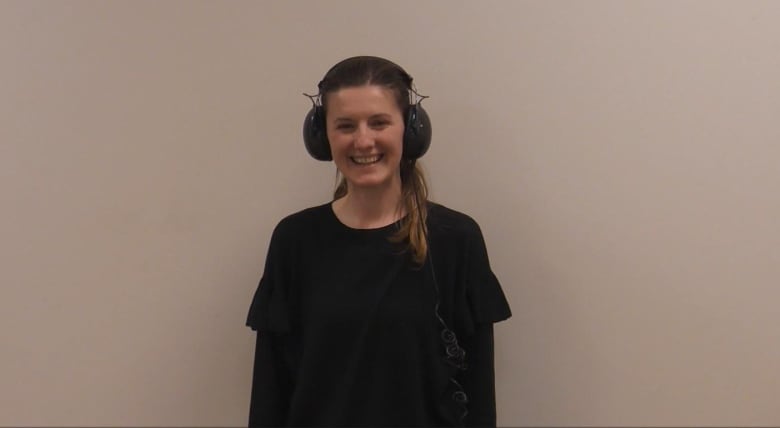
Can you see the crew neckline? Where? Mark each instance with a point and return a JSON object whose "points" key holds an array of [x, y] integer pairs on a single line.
{"points": [[392, 226]]}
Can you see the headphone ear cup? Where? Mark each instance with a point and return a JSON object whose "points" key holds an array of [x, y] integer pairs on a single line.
{"points": [[315, 136], [417, 134]]}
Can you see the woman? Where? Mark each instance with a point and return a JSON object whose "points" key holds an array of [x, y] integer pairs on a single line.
{"points": [[375, 309]]}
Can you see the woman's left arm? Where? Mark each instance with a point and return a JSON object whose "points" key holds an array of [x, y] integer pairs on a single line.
{"points": [[478, 380]]}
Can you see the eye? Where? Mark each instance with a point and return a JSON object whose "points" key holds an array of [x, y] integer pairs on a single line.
{"points": [[344, 126], [379, 123]]}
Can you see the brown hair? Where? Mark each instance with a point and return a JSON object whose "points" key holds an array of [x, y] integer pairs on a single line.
{"points": [[370, 70]]}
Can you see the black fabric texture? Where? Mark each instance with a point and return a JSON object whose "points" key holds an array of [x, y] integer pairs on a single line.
{"points": [[347, 334]]}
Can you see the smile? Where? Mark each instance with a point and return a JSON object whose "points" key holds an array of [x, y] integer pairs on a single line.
{"points": [[366, 160]]}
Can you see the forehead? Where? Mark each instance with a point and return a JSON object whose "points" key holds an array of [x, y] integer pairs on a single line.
{"points": [[361, 101]]}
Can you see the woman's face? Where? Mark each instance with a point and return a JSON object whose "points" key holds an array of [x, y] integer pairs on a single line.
{"points": [[365, 129]]}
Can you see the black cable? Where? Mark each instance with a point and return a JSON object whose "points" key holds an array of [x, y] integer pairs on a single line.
{"points": [[455, 354]]}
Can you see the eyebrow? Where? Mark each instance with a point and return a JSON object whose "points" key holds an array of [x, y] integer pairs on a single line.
{"points": [[375, 116]]}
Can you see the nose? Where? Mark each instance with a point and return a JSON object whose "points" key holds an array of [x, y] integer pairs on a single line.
{"points": [[364, 137]]}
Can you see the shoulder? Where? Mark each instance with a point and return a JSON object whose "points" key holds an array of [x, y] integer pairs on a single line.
{"points": [[442, 219], [301, 223]]}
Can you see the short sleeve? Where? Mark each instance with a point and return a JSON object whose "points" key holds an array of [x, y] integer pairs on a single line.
{"points": [[269, 310], [483, 300]]}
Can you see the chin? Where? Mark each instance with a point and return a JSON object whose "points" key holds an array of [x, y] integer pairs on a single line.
{"points": [[370, 182]]}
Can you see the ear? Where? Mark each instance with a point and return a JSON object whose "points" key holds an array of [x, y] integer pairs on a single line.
{"points": [[418, 132], [315, 136]]}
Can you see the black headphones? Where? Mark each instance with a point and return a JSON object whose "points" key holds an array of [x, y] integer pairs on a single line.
{"points": [[417, 124]]}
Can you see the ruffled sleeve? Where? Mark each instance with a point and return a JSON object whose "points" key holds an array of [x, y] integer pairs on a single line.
{"points": [[482, 300], [269, 310]]}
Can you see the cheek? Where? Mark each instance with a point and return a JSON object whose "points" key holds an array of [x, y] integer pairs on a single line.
{"points": [[398, 141], [336, 143]]}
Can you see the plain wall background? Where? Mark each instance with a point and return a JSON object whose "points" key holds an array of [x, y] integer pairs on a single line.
{"points": [[621, 158]]}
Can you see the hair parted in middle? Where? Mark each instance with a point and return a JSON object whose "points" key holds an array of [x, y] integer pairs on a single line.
{"points": [[371, 70]]}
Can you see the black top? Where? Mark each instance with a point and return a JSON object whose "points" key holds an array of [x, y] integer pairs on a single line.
{"points": [[348, 334]]}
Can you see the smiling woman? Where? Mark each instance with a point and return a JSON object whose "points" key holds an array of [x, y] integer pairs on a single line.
{"points": [[377, 308]]}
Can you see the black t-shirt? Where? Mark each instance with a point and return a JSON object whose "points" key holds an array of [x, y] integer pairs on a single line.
{"points": [[348, 333]]}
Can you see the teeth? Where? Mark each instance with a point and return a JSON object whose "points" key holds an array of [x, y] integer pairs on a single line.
{"points": [[365, 159]]}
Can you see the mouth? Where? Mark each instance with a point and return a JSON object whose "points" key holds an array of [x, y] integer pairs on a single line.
{"points": [[366, 160]]}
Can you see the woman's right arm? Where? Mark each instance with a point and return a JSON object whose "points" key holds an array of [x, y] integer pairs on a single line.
{"points": [[271, 383]]}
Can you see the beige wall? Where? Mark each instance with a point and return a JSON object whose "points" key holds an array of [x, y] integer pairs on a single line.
{"points": [[621, 157]]}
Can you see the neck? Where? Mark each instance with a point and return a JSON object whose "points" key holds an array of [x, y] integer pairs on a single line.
{"points": [[364, 208]]}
